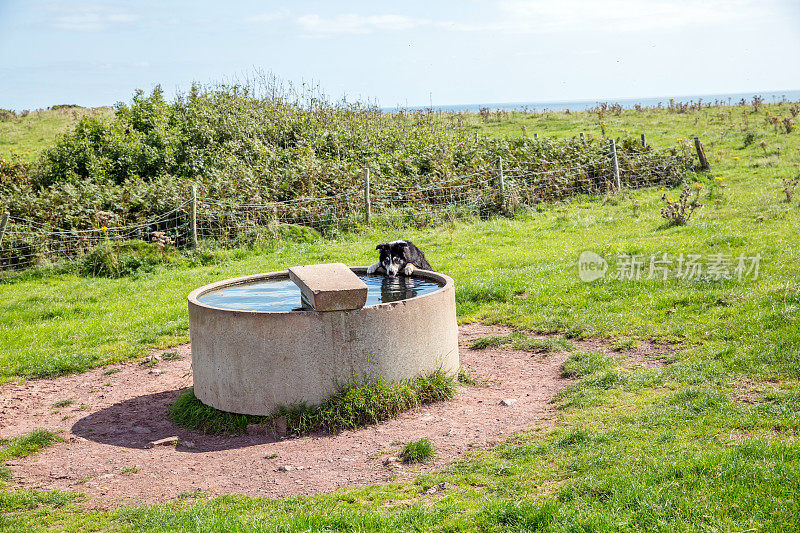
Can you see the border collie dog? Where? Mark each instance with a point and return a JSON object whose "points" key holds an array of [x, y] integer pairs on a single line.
{"points": [[399, 257]]}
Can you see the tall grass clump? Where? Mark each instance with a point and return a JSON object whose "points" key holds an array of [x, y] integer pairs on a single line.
{"points": [[360, 402], [189, 412], [417, 451]]}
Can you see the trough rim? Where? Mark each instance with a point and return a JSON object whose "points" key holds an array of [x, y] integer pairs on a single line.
{"points": [[194, 296]]}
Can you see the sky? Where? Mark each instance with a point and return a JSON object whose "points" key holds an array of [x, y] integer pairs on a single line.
{"points": [[409, 53]]}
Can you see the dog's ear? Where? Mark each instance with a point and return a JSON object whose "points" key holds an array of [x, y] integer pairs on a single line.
{"points": [[380, 247]]}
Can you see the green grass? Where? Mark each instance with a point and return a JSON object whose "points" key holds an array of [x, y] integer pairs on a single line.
{"points": [[358, 403], [366, 401], [26, 137], [24, 446], [520, 341], [469, 377], [708, 442], [580, 364], [417, 451], [189, 412]]}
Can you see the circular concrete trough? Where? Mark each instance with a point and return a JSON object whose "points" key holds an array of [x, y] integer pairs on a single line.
{"points": [[251, 362]]}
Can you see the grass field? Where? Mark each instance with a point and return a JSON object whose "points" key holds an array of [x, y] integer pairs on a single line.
{"points": [[706, 443], [26, 137]]}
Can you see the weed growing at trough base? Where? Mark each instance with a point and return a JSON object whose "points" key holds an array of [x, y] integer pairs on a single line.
{"points": [[189, 412], [356, 404], [366, 402]]}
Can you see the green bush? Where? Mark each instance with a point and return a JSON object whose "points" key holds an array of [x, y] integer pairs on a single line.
{"points": [[256, 144], [115, 259]]}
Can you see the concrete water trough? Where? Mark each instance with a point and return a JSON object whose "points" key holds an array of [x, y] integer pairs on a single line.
{"points": [[260, 342]]}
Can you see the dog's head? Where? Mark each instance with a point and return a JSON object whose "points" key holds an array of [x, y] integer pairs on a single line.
{"points": [[393, 256]]}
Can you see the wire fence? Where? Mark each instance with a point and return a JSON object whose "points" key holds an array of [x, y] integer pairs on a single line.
{"points": [[502, 187]]}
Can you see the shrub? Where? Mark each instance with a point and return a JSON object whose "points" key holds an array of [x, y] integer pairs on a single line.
{"points": [[257, 144], [678, 212], [114, 259], [789, 185]]}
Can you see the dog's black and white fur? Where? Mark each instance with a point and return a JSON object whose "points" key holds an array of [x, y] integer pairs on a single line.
{"points": [[399, 256]]}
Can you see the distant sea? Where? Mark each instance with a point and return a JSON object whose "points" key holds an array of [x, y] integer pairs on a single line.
{"points": [[627, 103]]}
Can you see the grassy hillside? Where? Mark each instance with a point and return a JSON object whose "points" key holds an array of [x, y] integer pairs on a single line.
{"points": [[243, 145], [27, 136], [706, 443]]}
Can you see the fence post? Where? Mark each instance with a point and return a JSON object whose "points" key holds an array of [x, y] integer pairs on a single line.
{"points": [[701, 154], [644, 142], [3, 224], [502, 183], [193, 214], [367, 203], [612, 148]]}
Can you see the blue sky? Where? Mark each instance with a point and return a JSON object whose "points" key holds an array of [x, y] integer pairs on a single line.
{"points": [[407, 53]]}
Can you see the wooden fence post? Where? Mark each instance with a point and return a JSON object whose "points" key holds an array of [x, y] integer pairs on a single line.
{"points": [[701, 154], [367, 203], [502, 183], [644, 141], [193, 214], [3, 224], [612, 148]]}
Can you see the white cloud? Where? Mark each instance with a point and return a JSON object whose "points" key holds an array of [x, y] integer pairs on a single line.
{"points": [[534, 16], [354, 24], [88, 17], [548, 16], [261, 18]]}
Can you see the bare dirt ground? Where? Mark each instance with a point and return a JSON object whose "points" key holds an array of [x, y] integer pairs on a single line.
{"points": [[114, 417]]}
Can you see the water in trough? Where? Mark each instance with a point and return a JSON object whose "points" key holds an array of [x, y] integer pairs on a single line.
{"points": [[283, 295]]}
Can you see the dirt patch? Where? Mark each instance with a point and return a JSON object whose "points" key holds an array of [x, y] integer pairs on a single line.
{"points": [[751, 392], [110, 419]]}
